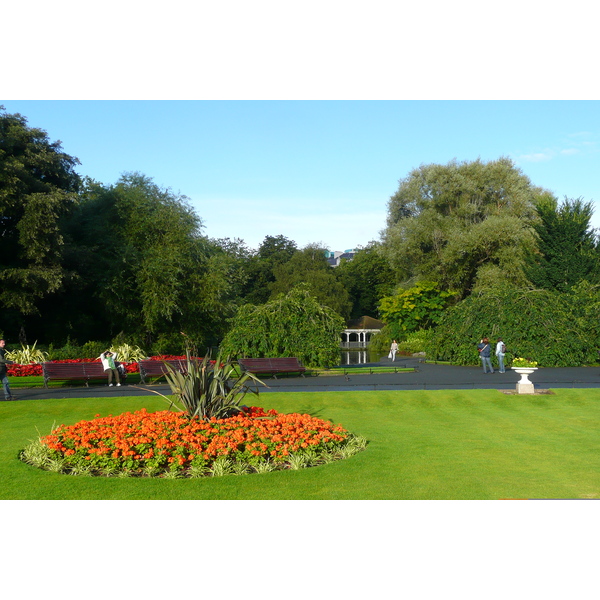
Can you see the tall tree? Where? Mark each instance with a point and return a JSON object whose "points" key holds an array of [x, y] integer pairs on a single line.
{"points": [[139, 257], [368, 277], [38, 185], [568, 250], [310, 266], [465, 225], [273, 251]]}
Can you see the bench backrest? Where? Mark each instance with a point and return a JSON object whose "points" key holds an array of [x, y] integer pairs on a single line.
{"points": [[85, 370], [67, 369], [271, 364], [157, 367], [286, 362], [94, 369]]}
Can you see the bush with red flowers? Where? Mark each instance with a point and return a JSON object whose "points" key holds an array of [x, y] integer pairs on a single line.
{"points": [[169, 444]]}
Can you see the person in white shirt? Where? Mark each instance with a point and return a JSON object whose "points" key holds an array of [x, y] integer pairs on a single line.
{"points": [[500, 352], [393, 350], [108, 362]]}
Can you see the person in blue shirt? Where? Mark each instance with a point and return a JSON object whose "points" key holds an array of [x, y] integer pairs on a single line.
{"points": [[484, 353]]}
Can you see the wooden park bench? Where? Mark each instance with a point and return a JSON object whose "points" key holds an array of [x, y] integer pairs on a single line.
{"points": [[74, 372], [271, 366], [156, 368]]}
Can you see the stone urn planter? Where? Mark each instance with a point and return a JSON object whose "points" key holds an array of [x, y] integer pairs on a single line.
{"points": [[524, 386]]}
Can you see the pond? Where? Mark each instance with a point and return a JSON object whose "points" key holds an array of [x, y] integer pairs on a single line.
{"points": [[360, 357]]}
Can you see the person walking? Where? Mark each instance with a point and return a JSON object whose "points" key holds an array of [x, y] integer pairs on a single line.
{"points": [[500, 352], [3, 371], [108, 362], [393, 350], [484, 353]]}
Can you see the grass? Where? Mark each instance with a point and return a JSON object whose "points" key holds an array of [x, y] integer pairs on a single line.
{"points": [[461, 444], [34, 381]]}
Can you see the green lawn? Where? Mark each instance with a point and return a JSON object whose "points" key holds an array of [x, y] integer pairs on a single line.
{"points": [[476, 444]]}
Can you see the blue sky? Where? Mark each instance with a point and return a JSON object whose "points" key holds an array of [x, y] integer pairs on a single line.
{"points": [[316, 171]]}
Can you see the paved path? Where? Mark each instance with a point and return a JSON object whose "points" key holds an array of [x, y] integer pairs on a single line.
{"points": [[426, 377]]}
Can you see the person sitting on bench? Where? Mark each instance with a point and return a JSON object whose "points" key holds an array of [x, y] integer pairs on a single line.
{"points": [[108, 362]]}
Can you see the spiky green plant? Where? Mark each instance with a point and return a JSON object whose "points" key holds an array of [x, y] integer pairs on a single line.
{"points": [[241, 467], [221, 466], [27, 355], [297, 461], [206, 390], [265, 466], [36, 454], [127, 353]]}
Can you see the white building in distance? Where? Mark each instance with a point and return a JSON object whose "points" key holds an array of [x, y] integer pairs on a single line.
{"points": [[334, 258]]}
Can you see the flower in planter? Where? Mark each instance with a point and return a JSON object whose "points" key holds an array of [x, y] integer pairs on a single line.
{"points": [[524, 363]]}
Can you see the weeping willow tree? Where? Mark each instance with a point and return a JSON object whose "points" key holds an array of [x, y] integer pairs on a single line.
{"points": [[294, 324]]}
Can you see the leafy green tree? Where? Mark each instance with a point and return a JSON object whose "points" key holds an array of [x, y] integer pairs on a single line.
{"points": [[368, 277], [568, 250], [38, 185], [142, 265], [465, 225], [310, 266], [294, 324], [273, 251], [419, 307]]}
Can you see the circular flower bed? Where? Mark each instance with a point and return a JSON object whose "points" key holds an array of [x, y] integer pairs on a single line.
{"points": [[168, 444]]}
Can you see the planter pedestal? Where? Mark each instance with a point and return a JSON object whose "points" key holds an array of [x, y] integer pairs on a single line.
{"points": [[524, 386]]}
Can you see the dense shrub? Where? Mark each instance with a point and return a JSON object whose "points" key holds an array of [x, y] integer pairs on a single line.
{"points": [[408, 343], [555, 329], [294, 324], [415, 341]]}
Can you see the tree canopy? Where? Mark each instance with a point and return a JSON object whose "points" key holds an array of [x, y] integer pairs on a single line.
{"points": [[143, 266], [367, 278], [273, 251], [464, 225], [310, 266], [568, 250], [38, 185]]}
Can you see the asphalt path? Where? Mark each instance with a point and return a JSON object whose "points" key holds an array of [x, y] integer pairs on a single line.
{"points": [[425, 377]]}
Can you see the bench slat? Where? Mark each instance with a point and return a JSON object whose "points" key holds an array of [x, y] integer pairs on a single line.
{"points": [[157, 368], [272, 366]]}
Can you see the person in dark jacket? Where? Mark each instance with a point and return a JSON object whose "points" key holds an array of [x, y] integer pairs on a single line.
{"points": [[484, 353], [3, 377]]}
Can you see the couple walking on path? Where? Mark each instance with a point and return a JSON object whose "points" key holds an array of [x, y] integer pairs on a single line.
{"points": [[484, 350]]}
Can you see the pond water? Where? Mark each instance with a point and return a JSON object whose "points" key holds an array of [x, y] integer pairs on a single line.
{"points": [[359, 357]]}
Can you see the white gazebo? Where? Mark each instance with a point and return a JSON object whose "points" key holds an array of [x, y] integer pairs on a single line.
{"points": [[359, 332]]}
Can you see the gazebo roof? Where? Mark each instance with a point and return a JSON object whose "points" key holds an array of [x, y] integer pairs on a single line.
{"points": [[365, 323]]}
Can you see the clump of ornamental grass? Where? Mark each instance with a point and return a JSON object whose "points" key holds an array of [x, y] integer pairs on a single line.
{"points": [[209, 389], [26, 355], [127, 353], [171, 445]]}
